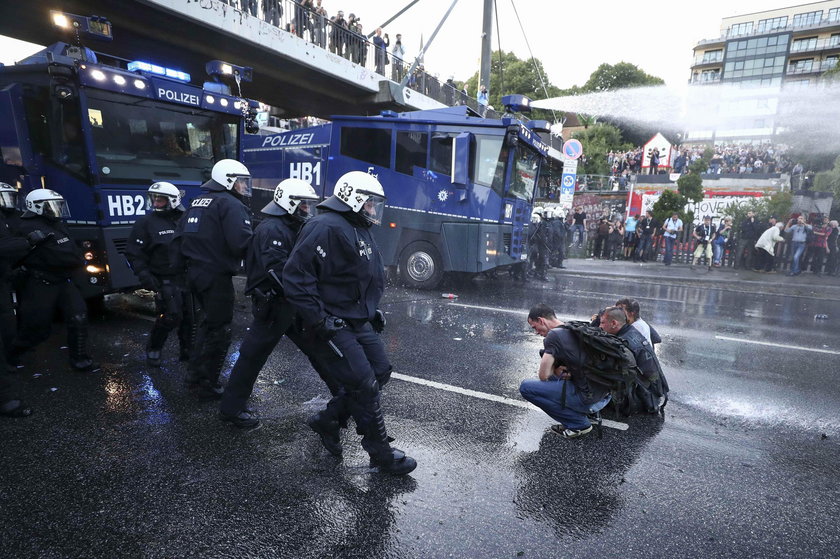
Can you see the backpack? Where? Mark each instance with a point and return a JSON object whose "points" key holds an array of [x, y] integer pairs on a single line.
{"points": [[609, 364]]}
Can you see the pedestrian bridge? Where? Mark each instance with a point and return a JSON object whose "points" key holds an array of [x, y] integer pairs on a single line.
{"points": [[303, 64]]}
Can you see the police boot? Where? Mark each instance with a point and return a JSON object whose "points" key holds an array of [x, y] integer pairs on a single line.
{"points": [[388, 460], [212, 361], [157, 338], [77, 334], [328, 430]]}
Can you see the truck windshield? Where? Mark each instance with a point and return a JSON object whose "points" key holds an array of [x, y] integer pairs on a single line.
{"points": [[526, 166], [489, 162], [141, 139]]}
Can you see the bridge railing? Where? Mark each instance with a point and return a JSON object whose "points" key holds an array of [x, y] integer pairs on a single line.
{"points": [[316, 28]]}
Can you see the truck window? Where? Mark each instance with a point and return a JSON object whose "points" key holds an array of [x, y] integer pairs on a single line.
{"points": [[411, 151], [526, 164], [142, 139], [489, 162], [372, 145], [440, 152]]}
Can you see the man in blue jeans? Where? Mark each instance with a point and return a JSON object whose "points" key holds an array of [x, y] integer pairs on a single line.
{"points": [[673, 227], [798, 239], [562, 390]]}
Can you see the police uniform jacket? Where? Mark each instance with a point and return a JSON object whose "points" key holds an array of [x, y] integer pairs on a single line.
{"points": [[215, 231], [335, 269], [12, 248], [149, 240], [642, 350], [58, 257], [273, 241], [538, 234]]}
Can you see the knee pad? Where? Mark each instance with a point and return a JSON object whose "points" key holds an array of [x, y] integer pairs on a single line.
{"points": [[365, 392], [78, 320]]}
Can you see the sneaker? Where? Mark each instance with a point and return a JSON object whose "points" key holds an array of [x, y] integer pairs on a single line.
{"points": [[575, 433], [246, 419], [558, 429]]}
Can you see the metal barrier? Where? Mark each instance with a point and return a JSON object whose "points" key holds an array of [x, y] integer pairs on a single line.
{"points": [[318, 29]]}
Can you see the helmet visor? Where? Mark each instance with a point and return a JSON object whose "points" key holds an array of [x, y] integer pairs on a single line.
{"points": [[8, 200], [242, 185], [373, 208], [306, 208], [158, 202], [56, 208]]}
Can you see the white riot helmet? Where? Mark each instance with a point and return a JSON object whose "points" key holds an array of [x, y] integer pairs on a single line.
{"points": [[233, 176], [535, 218], [47, 203], [363, 193], [548, 213], [8, 196], [294, 197], [165, 190]]}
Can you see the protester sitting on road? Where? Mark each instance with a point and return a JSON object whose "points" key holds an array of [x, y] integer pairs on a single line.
{"points": [[562, 391], [632, 310], [766, 248]]}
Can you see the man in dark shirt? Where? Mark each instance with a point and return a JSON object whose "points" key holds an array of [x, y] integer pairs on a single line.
{"points": [[831, 264], [578, 226], [562, 391], [645, 229], [747, 237]]}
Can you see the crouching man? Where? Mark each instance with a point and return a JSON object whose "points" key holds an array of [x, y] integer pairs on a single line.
{"points": [[562, 390]]}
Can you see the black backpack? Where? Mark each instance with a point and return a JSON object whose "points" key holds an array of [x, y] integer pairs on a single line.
{"points": [[609, 364]]}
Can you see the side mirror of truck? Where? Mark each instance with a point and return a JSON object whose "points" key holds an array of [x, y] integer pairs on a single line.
{"points": [[461, 160]]}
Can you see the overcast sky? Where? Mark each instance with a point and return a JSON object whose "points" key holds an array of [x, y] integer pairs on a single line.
{"points": [[571, 38]]}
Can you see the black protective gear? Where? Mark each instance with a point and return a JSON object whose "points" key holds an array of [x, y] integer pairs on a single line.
{"points": [[245, 419], [157, 337], [378, 322], [38, 237], [77, 338], [327, 328]]}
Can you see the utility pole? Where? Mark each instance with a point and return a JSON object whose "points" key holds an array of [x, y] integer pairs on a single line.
{"points": [[486, 47]]}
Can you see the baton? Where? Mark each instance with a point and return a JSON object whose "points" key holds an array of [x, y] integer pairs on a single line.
{"points": [[335, 349]]}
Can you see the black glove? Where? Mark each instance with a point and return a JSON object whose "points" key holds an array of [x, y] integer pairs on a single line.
{"points": [[378, 321], [38, 237], [148, 281], [326, 329]]}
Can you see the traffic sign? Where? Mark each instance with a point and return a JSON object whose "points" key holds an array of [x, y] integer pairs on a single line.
{"points": [[572, 149], [568, 181]]}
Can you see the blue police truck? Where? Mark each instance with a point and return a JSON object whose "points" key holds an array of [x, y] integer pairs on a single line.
{"points": [[460, 187], [100, 134]]}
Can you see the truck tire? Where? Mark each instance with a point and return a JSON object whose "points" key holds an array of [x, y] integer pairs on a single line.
{"points": [[421, 266]]}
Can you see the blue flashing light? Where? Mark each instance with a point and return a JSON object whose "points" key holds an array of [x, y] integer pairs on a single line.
{"points": [[140, 66]]}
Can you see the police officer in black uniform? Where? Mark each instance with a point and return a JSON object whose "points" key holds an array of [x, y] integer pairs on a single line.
{"points": [[538, 233], [334, 279], [292, 205], [209, 246], [47, 281], [558, 231], [12, 249], [149, 255]]}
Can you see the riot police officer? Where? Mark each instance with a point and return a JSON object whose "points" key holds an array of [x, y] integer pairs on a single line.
{"points": [[12, 249], [334, 279], [558, 232], [47, 280], [537, 244], [148, 253], [209, 245], [293, 203]]}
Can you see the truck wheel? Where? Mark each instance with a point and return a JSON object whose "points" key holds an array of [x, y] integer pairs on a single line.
{"points": [[421, 265]]}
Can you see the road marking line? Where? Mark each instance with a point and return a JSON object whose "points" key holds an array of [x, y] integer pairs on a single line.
{"points": [[513, 311], [785, 346], [491, 397]]}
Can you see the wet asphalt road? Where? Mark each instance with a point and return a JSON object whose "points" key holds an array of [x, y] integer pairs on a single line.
{"points": [[125, 464]]}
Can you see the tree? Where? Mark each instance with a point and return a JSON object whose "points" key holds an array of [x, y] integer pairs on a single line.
{"points": [[778, 205], [597, 140], [669, 203], [829, 181], [512, 75], [609, 77], [689, 189]]}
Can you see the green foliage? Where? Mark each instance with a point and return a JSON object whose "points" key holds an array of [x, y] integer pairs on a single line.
{"points": [[669, 202], [512, 76], [690, 185], [597, 140], [777, 205], [829, 181], [608, 77]]}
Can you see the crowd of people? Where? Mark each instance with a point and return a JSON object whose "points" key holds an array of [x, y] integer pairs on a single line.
{"points": [[799, 244]]}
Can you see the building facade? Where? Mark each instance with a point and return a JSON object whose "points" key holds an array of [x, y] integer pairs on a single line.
{"points": [[762, 58]]}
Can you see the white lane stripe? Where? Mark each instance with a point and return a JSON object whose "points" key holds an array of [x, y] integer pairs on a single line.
{"points": [[514, 311], [491, 397], [785, 346]]}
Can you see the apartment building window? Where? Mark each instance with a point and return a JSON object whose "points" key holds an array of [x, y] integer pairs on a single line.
{"points": [[710, 75], [755, 67], [833, 15], [766, 25], [799, 45], [797, 84], [830, 62], [756, 47], [834, 40], [712, 56], [740, 29], [809, 18], [801, 66]]}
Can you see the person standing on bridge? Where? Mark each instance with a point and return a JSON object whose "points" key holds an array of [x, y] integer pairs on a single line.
{"points": [[398, 55], [381, 45], [148, 253], [208, 248], [334, 279], [338, 34]]}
